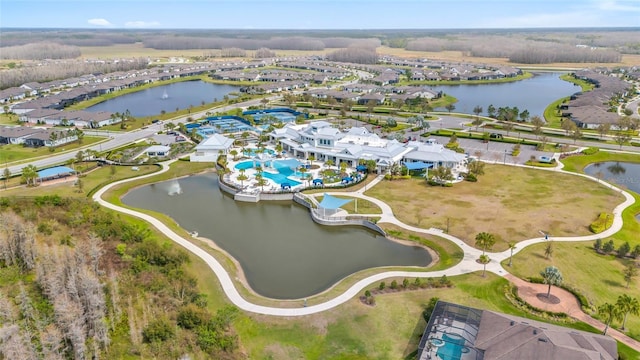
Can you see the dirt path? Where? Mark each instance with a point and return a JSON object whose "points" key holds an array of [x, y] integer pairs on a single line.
{"points": [[566, 302]]}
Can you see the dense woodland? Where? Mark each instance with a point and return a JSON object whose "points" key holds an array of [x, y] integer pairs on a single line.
{"points": [[79, 282]]}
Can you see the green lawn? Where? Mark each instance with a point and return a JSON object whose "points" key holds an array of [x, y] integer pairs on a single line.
{"points": [[598, 277], [13, 153]]}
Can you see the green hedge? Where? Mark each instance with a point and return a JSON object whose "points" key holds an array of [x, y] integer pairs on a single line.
{"points": [[590, 150], [603, 222]]}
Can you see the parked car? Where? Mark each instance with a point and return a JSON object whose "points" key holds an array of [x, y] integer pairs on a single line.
{"points": [[495, 136]]}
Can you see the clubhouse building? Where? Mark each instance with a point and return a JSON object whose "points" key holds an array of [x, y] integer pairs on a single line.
{"points": [[324, 142]]}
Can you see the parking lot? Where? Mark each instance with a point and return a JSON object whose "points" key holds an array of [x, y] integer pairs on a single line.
{"points": [[496, 151]]}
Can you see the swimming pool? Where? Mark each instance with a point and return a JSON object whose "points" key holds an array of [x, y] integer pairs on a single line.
{"points": [[281, 177], [453, 347]]}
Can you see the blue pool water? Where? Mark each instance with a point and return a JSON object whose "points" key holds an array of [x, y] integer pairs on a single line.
{"points": [[279, 178], [453, 347]]}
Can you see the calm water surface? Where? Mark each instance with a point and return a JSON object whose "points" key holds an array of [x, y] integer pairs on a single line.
{"points": [[624, 175], [283, 253], [533, 94], [168, 97]]}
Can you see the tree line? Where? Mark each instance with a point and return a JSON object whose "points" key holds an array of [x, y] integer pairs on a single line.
{"points": [[527, 48], [279, 43], [40, 51]]}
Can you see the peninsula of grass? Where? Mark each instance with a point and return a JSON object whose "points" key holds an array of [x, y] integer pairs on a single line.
{"points": [[512, 203], [598, 277], [363, 206], [631, 227]]}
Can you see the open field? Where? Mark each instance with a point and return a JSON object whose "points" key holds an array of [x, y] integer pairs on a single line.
{"points": [[512, 203], [598, 277]]}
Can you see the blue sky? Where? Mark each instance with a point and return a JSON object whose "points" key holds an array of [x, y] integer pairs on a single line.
{"points": [[319, 14]]}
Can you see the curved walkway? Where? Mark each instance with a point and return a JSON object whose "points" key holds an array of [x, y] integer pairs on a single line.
{"points": [[467, 265]]}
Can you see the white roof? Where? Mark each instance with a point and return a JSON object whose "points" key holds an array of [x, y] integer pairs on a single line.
{"points": [[158, 148], [215, 142]]}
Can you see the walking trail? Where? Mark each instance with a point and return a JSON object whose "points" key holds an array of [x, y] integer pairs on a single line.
{"points": [[467, 265]]}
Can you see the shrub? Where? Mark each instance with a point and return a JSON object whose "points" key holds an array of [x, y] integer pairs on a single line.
{"points": [[470, 177], [405, 283], [597, 245], [394, 285], [367, 293], [636, 252], [191, 317], [590, 150], [603, 222], [158, 330], [428, 310], [608, 247], [623, 250], [417, 282]]}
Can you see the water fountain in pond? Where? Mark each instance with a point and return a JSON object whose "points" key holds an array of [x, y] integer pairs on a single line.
{"points": [[165, 95], [174, 188]]}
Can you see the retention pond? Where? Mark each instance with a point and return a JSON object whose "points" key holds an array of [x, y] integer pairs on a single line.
{"points": [[283, 253]]}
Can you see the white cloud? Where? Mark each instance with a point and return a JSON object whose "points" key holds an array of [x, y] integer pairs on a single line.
{"points": [[613, 5], [141, 24], [99, 22]]}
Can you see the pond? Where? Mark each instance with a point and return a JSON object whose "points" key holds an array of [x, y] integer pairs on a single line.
{"points": [[533, 94], [622, 174], [283, 253], [152, 101]]}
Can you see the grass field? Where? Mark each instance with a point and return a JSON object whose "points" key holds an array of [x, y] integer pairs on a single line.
{"points": [[13, 152], [598, 277], [512, 203], [68, 189]]}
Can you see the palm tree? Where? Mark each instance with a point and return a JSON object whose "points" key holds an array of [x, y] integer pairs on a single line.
{"points": [[512, 246], [485, 240], [629, 273], [311, 158], [261, 181], [609, 312], [6, 174], [234, 153], [551, 276], [242, 177], [548, 249], [627, 305], [484, 260], [30, 174], [329, 163]]}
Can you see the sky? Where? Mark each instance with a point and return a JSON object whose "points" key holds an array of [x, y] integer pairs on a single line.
{"points": [[318, 14]]}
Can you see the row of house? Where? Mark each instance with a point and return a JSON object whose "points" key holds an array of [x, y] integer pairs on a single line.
{"points": [[75, 118], [324, 142], [590, 109], [36, 137], [375, 94]]}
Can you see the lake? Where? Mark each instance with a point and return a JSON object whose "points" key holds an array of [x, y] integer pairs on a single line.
{"points": [[533, 94], [153, 101], [283, 253], [623, 174]]}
